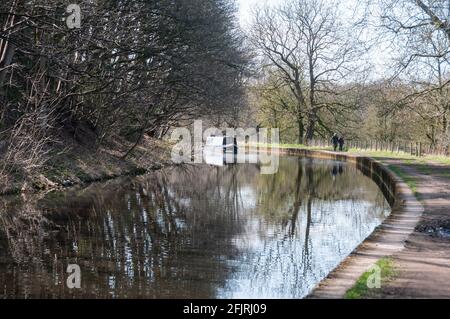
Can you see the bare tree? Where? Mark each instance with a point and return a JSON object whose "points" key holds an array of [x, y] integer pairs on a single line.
{"points": [[419, 35], [306, 43], [134, 68]]}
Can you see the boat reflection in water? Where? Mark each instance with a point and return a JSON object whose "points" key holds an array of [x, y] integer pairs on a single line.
{"points": [[200, 231], [216, 158]]}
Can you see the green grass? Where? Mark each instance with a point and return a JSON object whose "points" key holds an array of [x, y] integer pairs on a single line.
{"points": [[361, 290], [437, 159], [408, 179], [408, 158], [302, 146], [420, 163], [380, 155], [405, 157]]}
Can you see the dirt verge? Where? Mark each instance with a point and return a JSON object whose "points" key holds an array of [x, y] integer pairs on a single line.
{"points": [[81, 164]]}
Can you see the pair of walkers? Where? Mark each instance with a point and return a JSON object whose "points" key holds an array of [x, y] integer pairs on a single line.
{"points": [[338, 141]]}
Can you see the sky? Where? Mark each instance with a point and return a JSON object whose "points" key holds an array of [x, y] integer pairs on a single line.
{"points": [[379, 56], [245, 7]]}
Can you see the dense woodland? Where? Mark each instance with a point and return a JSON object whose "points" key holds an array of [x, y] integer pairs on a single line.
{"points": [[133, 69], [137, 68]]}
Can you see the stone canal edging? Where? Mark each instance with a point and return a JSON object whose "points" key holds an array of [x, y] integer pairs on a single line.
{"points": [[387, 239]]}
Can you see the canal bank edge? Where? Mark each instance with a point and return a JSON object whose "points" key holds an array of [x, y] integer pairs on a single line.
{"points": [[387, 239]]}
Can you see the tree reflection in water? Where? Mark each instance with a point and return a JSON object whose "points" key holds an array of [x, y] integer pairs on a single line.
{"points": [[190, 232]]}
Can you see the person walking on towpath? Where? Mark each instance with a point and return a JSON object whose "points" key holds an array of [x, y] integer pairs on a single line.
{"points": [[341, 143], [335, 141]]}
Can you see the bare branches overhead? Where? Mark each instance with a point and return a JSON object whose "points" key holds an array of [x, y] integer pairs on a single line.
{"points": [[306, 45], [133, 68]]}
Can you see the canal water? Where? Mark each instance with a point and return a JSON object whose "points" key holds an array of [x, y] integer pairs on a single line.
{"points": [[190, 232]]}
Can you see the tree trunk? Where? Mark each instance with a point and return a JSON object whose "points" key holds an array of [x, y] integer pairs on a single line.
{"points": [[7, 49], [444, 124], [301, 130], [312, 120]]}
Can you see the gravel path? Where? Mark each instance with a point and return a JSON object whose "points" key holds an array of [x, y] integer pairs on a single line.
{"points": [[424, 263]]}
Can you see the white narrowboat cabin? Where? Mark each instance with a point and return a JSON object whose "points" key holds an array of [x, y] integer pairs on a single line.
{"points": [[221, 144]]}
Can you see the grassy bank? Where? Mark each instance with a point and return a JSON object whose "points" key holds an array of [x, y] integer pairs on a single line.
{"points": [[424, 164], [409, 180], [406, 157], [385, 268], [78, 164]]}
